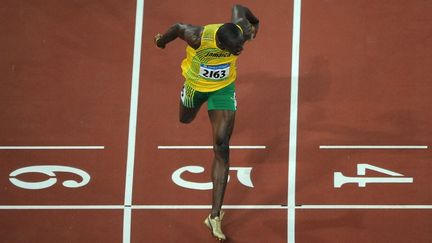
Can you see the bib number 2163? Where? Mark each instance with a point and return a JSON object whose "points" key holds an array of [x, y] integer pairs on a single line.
{"points": [[215, 72]]}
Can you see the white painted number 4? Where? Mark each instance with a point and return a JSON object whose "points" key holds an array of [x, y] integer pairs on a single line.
{"points": [[340, 179]]}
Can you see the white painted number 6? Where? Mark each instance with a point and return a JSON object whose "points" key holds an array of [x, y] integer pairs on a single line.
{"points": [[49, 171]]}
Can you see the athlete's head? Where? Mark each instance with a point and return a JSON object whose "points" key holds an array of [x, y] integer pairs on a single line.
{"points": [[230, 38]]}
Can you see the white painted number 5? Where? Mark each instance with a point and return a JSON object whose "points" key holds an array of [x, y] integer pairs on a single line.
{"points": [[243, 176], [48, 170]]}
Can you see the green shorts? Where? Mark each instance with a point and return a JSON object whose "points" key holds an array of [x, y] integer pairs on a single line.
{"points": [[222, 99]]}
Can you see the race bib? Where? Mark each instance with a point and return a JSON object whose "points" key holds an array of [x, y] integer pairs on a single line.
{"points": [[214, 72]]}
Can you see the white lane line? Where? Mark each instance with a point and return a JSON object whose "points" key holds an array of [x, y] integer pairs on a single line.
{"points": [[127, 217], [127, 220], [373, 147], [50, 147], [292, 154], [208, 147], [364, 207]]}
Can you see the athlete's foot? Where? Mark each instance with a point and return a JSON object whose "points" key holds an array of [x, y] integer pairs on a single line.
{"points": [[215, 226]]}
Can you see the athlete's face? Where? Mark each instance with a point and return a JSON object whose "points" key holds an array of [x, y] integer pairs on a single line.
{"points": [[234, 47]]}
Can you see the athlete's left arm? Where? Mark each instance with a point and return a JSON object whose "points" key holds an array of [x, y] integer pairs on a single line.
{"points": [[244, 17]]}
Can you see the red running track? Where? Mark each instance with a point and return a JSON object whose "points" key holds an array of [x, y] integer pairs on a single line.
{"points": [[67, 71]]}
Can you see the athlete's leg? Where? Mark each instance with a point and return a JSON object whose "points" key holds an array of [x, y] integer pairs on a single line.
{"points": [[190, 104], [187, 115], [223, 124]]}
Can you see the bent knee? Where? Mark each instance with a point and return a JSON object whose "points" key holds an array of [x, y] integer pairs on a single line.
{"points": [[186, 120]]}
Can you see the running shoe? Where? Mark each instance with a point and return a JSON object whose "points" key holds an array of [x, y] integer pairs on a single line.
{"points": [[215, 226]]}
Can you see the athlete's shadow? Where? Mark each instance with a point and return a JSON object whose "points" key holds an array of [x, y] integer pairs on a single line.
{"points": [[262, 119], [242, 225], [264, 115]]}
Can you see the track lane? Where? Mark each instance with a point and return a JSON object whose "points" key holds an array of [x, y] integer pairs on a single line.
{"points": [[364, 82], [262, 118]]}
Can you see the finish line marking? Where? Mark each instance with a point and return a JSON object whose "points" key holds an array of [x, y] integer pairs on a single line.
{"points": [[207, 147], [372, 147], [60, 207], [203, 207], [50, 147], [136, 207], [183, 207], [364, 207]]}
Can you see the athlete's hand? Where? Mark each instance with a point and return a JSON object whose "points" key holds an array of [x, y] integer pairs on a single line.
{"points": [[156, 41], [254, 31], [249, 30]]}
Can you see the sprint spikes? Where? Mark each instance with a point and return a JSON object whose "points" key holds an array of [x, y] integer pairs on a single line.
{"points": [[215, 227]]}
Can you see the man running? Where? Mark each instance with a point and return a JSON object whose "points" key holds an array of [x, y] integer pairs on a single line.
{"points": [[209, 70]]}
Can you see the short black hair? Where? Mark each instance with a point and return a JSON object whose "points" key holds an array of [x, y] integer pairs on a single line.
{"points": [[229, 33]]}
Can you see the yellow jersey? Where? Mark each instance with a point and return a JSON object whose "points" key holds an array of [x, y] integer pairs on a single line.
{"points": [[209, 68]]}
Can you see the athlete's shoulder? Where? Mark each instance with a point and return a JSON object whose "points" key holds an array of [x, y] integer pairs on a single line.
{"points": [[212, 26], [192, 34], [209, 30]]}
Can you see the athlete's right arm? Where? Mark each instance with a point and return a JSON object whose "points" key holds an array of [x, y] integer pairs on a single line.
{"points": [[244, 17], [189, 33]]}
